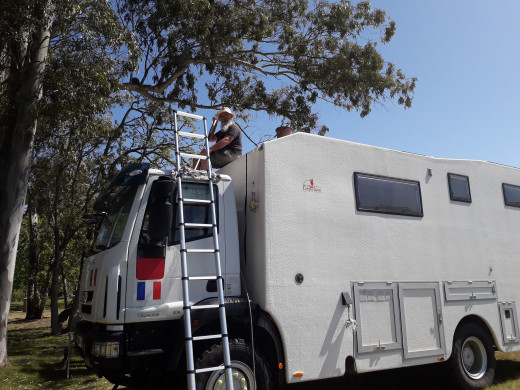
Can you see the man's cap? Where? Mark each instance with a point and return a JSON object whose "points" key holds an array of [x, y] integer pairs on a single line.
{"points": [[226, 110]]}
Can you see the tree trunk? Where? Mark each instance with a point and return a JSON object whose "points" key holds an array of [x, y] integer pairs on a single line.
{"points": [[73, 319], [64, 283], [55, 285], [32, 267], [24, 91], [44, 294], [58, 254]]}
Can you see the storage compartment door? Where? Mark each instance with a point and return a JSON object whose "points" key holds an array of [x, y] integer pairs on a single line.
{"points": [[377, 316], [509, 322], [421, 319]]}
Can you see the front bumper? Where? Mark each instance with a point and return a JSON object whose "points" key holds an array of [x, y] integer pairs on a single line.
{"points": [[129, 348]]}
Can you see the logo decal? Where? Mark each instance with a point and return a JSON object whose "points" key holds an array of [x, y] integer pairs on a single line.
{"points": [[309, 186]]}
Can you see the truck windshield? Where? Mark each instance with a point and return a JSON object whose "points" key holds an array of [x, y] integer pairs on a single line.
{"points": [[114, 222]]}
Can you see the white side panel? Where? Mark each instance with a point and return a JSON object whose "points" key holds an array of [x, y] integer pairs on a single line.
{"points": [[249, 188], [305, 222], [161, 299], [421, 318], [470, 290], [377, 315]]}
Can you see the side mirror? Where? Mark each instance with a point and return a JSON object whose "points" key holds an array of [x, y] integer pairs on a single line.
{"points": [[160, 211]]}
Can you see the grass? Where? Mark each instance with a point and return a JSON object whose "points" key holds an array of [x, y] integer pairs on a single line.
{"points": [[36, 358]]}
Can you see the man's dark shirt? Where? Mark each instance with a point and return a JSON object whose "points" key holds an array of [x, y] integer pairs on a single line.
{"points": [[234, 146]]}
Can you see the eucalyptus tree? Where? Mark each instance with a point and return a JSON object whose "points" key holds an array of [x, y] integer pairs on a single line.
{"points": [[278, 56], [89, 51], [60, 62], [24, 41]]}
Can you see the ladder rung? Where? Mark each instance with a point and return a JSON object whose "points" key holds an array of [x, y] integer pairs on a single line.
{"points": [[198, 225], [193, 135], [201, 370], [196, 201], [201, 307], [208, 337], [188, 115], [197, 156], [200, 250], [202, 278]]}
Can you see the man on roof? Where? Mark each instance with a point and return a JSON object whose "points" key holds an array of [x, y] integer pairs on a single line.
{"points": [[228, 141]]}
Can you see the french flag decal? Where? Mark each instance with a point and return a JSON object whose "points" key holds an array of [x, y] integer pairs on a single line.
{"points": [[148, 269], [148, 290]]}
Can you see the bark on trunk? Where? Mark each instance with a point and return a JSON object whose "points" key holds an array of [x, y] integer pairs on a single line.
{"points": [[32, 267], [64, 285], [55, 285], [58, 255], [24, 89]]}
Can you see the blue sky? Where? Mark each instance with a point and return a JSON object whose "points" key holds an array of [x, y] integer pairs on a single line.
{"points": [[467, 58]]}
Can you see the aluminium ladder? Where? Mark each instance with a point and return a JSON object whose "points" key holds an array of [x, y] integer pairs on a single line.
{"points": [[189, 339]]}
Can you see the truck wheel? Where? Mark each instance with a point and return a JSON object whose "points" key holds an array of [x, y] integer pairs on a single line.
{"points": [[241, 361], [473, 358]]}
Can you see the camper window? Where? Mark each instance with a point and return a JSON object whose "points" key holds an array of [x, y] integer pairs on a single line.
{"points": [[459, 187], [511, 195], [388, 195]]}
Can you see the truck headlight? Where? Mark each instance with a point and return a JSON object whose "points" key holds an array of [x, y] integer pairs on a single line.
{"points": [[106, 349]]}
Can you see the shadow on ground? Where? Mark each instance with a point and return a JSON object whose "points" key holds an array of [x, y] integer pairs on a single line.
{"points": [[507, 370], [429, 377]]}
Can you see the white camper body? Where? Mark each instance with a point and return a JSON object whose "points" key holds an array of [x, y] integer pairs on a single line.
{"points": [[412, 279], [349, 253]]}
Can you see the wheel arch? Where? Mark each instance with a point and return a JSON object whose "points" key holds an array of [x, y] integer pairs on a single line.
{"points": [[267, 338], [480, 321]]}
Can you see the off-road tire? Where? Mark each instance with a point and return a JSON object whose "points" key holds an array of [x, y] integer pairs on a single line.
{"points": [[241, 361], [473, 358]]}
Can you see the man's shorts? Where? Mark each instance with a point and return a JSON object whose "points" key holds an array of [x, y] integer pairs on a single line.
{"points": [[221, 158]]}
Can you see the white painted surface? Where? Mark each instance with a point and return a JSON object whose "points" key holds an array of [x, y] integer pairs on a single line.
{"points": [[314, 229], [121, 261]]}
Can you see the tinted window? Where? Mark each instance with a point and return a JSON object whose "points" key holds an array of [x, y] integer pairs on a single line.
{"points": [[511, 195], [194, 213], [459, 187], [388, 195]]}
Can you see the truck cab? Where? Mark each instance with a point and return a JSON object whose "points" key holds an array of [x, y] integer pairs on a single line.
{"points": [[131, 303]]}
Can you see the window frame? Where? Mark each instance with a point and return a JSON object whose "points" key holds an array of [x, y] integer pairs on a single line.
{"points": [[175, 227], [419, 214], [517, 205], [452, 196]]}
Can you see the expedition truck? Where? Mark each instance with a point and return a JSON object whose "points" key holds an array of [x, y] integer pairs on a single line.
{"points": [[336, 258]]}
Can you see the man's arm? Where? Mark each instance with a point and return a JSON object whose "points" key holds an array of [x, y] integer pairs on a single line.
{"points": [[222, 143], [211, 136]]}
